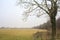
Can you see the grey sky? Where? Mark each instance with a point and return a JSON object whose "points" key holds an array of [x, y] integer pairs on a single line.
{"points": [[10, 16]]}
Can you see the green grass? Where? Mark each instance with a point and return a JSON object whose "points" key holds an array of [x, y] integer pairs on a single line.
{"points": [[17, 34]]}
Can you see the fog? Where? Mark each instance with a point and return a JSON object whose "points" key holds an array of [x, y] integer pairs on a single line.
{"points": [[11, 16]]}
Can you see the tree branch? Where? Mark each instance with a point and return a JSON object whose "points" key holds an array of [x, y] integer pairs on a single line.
{"points": [[29, 11], [29, 3], [52, 4], [41, 7], [25, 2], [46, 5]]}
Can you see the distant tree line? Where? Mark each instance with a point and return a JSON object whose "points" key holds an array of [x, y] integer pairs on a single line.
{"points": [[47, 25]]}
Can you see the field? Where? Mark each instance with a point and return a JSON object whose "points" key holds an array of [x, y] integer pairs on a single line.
{"points": [[18, 34]]}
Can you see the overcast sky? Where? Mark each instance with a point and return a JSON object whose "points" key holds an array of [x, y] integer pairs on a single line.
{"points": [[10, 16]]}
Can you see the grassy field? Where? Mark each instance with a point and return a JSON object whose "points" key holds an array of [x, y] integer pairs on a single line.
{"points": [[18, 34]]}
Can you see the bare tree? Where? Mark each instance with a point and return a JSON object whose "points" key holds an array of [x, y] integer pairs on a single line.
{"points": [[41, 7]]}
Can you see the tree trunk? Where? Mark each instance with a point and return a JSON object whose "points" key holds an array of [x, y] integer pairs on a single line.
{"points": [[53, 22]]}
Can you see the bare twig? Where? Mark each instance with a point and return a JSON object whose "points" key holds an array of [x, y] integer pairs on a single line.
{"points": [[29, 11], [41, 7], [28, 3], [46, 4]]}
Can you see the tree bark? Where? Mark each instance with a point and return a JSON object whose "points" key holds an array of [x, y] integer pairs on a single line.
{"points": [[53, 22]]}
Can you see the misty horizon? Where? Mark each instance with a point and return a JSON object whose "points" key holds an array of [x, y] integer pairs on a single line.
{"points": [[11, 16]]}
